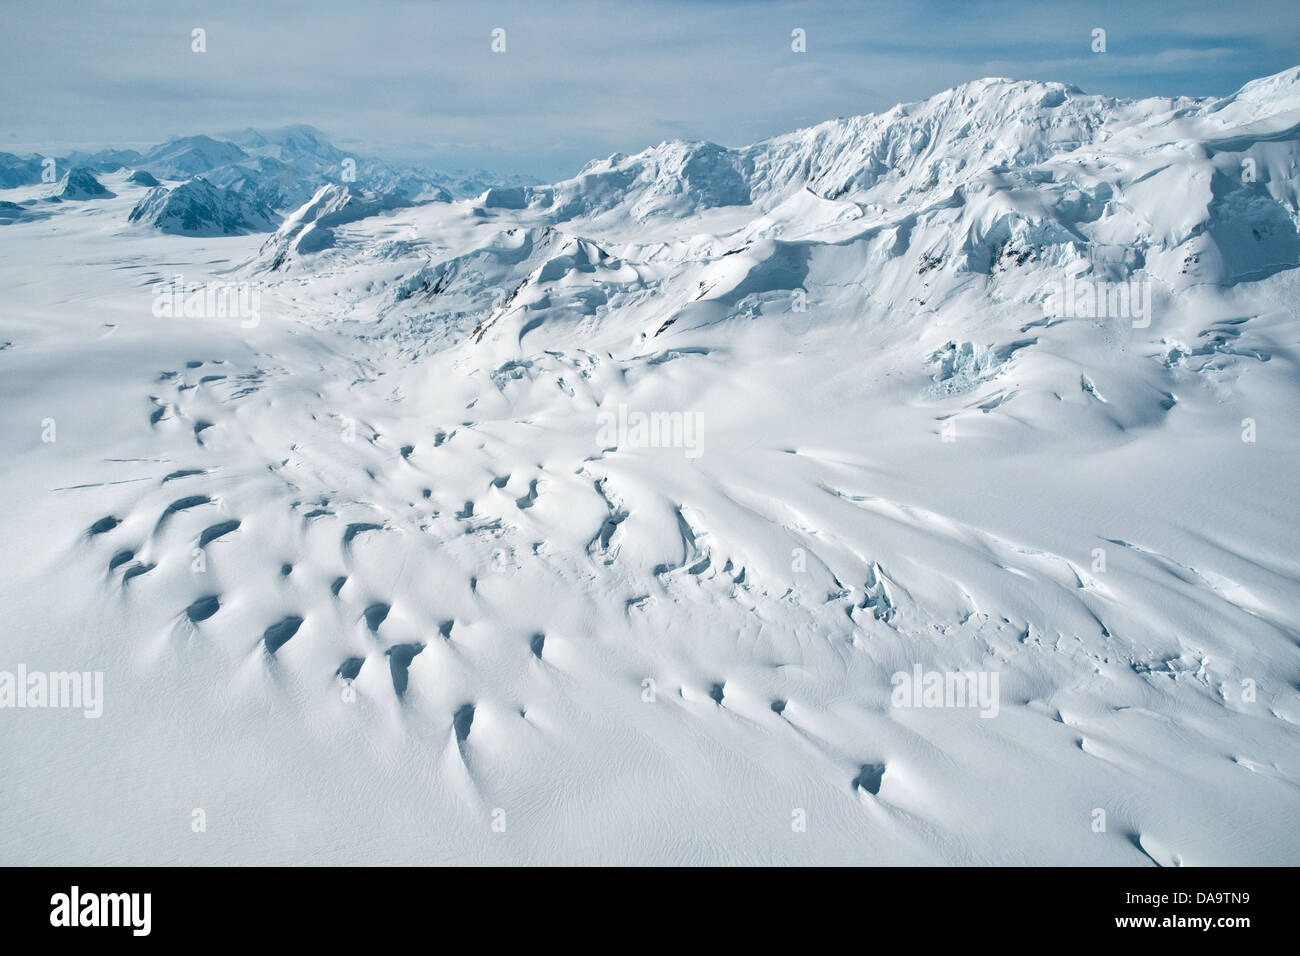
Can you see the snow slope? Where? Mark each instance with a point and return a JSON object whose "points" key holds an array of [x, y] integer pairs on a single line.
{"points": [[380, 565]]}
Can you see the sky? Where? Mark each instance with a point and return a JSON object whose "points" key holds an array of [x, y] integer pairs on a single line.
{"points": [[420, 81]]}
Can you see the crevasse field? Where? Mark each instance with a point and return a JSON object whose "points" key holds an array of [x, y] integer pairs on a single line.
{"points": [[916, 488]]}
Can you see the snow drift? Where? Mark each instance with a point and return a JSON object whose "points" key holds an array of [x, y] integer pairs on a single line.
{"points": [[913, 488]]}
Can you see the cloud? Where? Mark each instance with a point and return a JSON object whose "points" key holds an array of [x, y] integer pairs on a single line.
{"points": [[583, 79]]}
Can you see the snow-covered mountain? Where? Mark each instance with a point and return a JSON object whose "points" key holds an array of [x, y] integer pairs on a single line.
{"points": [[197, 208], [19, 171], [279, 169], [912, 488], [142, 177], [80, 183], [190, 156], [311, 228]]}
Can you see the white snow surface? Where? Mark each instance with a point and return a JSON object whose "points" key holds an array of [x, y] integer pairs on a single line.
{"points": [[456, 622]]}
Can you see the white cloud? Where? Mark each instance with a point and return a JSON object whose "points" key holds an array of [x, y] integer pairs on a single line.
{"points": [[584, 79]]}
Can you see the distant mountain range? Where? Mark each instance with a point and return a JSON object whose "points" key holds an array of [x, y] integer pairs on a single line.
{"points": [[249, 178]]}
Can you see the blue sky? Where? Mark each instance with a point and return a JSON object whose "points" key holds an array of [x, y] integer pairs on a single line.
{"points": [[418, 80]]}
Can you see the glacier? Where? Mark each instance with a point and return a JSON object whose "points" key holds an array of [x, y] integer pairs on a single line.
{"points": [[602, 521]]}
